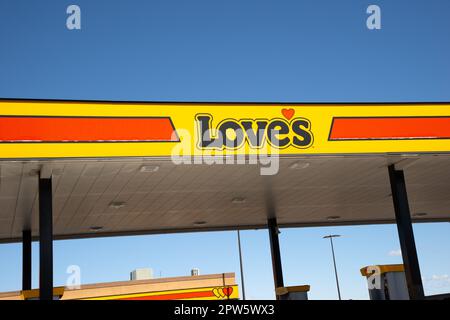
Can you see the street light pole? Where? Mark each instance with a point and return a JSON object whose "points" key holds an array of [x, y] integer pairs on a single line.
{"points": [[241, 265], [331, 236]]}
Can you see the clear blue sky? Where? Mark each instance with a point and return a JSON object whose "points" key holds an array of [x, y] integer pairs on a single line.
{"points": [[233, 50]]}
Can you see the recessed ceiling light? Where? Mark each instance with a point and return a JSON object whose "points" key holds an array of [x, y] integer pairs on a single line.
{"points": [[149, 168], [238, 200], [420, 214], [117, 204], [299, 165], [95, 228], [331, 218], [199, 223], [410, 155]]}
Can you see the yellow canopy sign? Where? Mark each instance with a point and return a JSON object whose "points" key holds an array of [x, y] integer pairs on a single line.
{"points": [[69, 129]]}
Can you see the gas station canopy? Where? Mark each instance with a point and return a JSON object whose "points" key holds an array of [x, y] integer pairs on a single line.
{"points": [[140, 168], [97, 198]]}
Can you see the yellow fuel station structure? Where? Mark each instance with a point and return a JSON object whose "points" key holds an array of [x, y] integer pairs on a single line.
{"points": [[82, 169]]}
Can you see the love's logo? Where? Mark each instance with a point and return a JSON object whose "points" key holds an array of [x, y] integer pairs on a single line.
{"points": [[233, 134]]}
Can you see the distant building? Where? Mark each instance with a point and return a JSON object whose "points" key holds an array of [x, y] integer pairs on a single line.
{"points": [[141, 274], [220, 286]]}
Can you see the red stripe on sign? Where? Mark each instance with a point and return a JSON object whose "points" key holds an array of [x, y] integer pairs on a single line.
{"points": [[85, 129], [390, 128], [174, 296]]}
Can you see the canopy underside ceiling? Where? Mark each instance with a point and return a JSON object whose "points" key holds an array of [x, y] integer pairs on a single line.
{"points": [[120, 197]]}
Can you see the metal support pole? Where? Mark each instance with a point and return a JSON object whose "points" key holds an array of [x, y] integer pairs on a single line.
{"points": [[276, 255], [335, 269], [45, 239], [406, 233], [26, 260], [241, 265]]}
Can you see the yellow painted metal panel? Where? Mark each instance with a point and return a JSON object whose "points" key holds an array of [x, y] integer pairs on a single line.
{"points": [[304, 129]]}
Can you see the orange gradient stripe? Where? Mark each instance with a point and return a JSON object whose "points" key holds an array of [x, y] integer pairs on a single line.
{"points": [[85, 129], [384, 128], [174, 296]]}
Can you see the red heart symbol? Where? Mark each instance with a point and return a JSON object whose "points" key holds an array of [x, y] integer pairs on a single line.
{"points": [[288, 113], [228, 291]]}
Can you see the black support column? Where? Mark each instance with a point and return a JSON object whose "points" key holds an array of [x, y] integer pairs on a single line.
{"points": [[26, 260], [406, 234], [45, 239], [276, 255]]}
